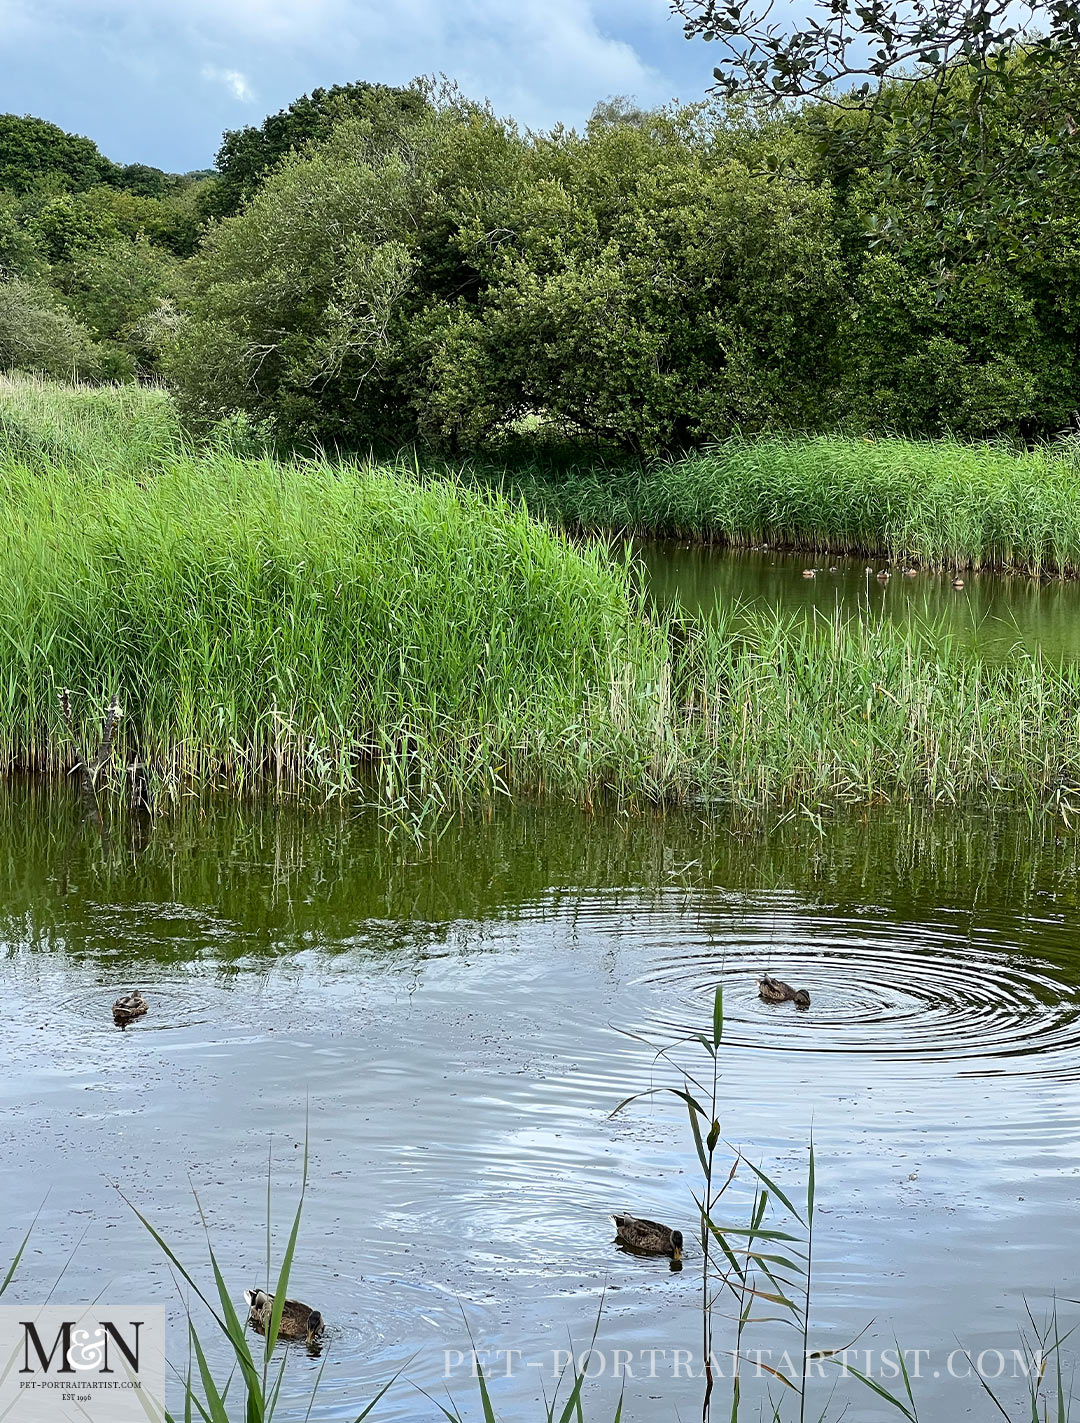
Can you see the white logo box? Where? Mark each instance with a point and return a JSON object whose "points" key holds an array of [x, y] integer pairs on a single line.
{"points": [[99, 1363]]}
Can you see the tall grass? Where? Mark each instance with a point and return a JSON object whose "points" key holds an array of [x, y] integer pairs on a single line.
{"points": [[303, 622], [361, 628], [349, 628], [123, 427], [934, 502]]}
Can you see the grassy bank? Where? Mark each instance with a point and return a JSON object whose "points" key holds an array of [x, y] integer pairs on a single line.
{"points": [[345, 628], [126, 427], [932, 502], [300, 622]]}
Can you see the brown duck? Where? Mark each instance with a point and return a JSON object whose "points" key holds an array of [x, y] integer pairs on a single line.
{"points": [[774, 990], [131, 1006], [298, 1321], [648, 1237]]}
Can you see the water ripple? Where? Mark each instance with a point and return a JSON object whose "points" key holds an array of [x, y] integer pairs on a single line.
{"points": [[904, 993]]}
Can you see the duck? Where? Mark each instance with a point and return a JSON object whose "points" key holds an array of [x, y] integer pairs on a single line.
{"points": [[298, 1321], [774, 990], [648, 1237], [131, 1006], [883, 575], [809, 573], [958, 583]]}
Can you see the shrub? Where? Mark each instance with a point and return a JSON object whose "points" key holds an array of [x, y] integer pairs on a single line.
{"points": [[38, 335]]}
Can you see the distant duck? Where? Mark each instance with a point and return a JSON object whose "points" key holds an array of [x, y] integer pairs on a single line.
{"points": [[958, 583], [883, 575], [774, 990], [911, 573], [834, 569], [298, 1321], [131, 1006], [809, 573], [648, 1237]]}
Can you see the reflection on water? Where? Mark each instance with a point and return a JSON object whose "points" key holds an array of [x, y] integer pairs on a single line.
{"points": [[993, 613], [455, 1024]]}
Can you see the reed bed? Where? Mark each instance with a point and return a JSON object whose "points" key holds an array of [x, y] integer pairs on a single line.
{"points": [[112, 427], [342, 630], [937, 503]]}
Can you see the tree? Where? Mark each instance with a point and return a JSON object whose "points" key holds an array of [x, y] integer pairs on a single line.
{"points": [[37, 334], [36, 154], [248, 154], [969, 107], [637, 284]]}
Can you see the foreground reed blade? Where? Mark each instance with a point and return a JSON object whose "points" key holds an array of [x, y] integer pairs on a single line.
{"points": [[745, 1268]]}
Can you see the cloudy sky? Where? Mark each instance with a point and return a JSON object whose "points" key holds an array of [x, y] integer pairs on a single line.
{"points": [[156, 81]]}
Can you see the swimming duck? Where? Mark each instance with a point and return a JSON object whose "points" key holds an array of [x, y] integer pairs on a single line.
{"points": [[774, 990], [958, 583], [298, 1321], [647, 1236], [809, 573], [131, 1006]]}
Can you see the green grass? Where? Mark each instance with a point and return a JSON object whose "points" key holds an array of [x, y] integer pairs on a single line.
{"points": [[116, 427], [344, 630], [932, 502], [347, 629], [301, 622]]}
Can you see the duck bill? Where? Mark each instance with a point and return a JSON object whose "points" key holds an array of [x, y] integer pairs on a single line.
{"points": [[676, 1255]]}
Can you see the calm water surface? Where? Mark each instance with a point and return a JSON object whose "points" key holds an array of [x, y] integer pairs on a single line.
{"points": [[994, 613], [456, 1024]]}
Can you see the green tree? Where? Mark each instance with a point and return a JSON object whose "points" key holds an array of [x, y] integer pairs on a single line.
{"points": [[38, 334], [35, 154], [638, 284], [248, 154], [975, 99]]}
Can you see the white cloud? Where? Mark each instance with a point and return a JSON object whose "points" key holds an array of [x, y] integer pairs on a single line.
{"points": [[123, 70], [232, 79]]}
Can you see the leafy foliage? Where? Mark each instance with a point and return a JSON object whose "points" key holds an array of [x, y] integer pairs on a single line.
{"points": [[248, 154], [639, 283], [35, 154], [971, 103]]}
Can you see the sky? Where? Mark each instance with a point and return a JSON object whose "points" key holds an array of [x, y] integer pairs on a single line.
{"points": [[158, 81]]}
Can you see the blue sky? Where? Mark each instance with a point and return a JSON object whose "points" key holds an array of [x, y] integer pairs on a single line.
{"points": [[157, 81]]}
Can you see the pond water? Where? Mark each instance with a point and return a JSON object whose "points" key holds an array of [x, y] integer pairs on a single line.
{"points": [[994, 613], [452, 1026]]}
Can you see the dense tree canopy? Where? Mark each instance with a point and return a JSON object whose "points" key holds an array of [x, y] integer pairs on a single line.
{"points": [[248, 154], [403, 265], [37, 154]]}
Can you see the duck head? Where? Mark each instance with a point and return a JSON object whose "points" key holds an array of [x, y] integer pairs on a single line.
{"points": [[802, 999], [676, 1244]]}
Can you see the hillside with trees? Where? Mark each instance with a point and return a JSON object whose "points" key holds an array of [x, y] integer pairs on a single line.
{"points": [[376, 266]]}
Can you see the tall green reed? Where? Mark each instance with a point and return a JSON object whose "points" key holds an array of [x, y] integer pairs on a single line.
{"points": [[206, 1394], [935, 502], [760, 1265], [340, 630]]}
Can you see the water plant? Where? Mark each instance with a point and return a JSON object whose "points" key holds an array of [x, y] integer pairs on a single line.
{"points": [[343, 630], [937, 503], [207, 1395]]}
